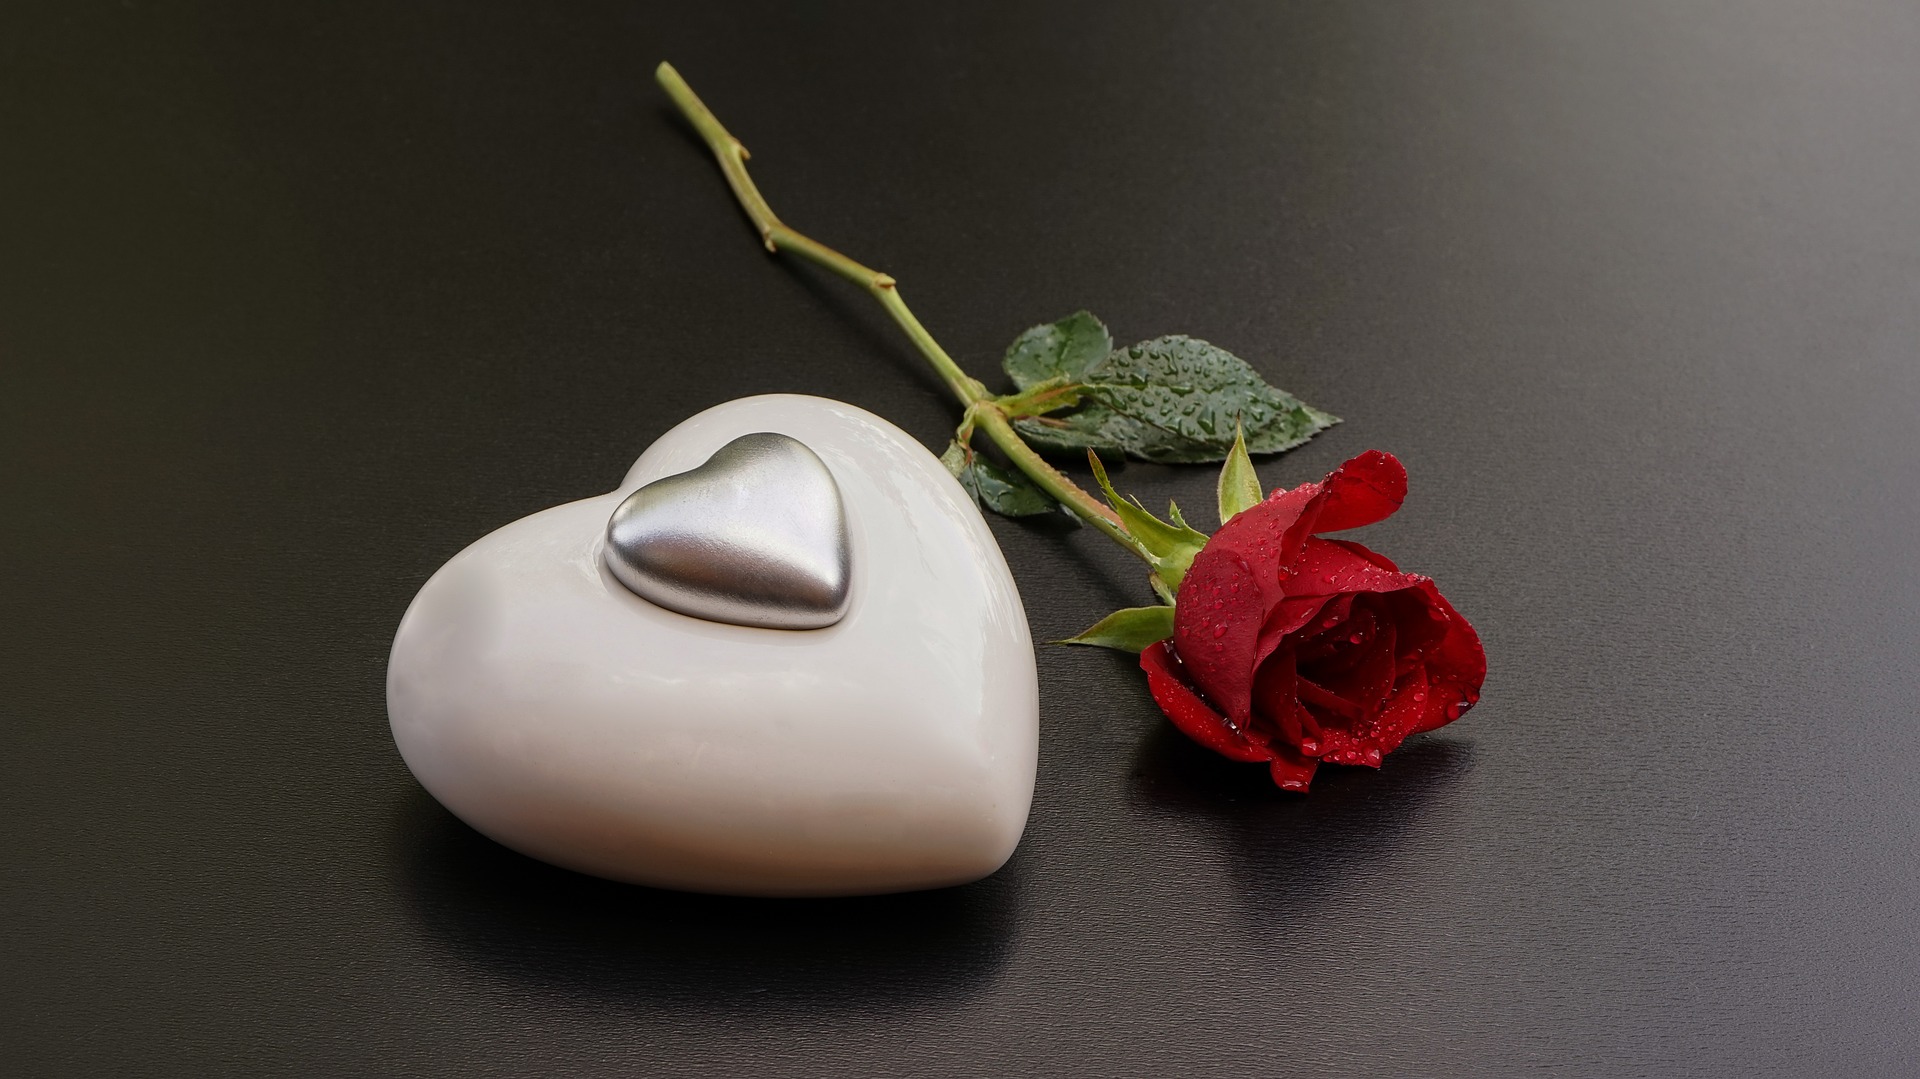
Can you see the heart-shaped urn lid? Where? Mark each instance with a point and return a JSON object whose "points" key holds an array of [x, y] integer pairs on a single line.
{"points": [[756, 536]]}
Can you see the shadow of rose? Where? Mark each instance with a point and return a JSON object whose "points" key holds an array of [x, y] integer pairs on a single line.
{"points": [[543, 927], [1285, 850]]}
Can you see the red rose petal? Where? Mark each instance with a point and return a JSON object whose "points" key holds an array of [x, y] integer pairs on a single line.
{"points": [[1294, 615], [1456, 666], [1291, 771], [1370, 555], [1268, 537], [1193, 716], [1308, 616], [1402, 715], [1216, 628], [1416, 625], [1296, 514], [1333, 649], [1367, 687], [1275, 701], [1328, 568], [1366, 489], [1369, 681], [1339, 711]]}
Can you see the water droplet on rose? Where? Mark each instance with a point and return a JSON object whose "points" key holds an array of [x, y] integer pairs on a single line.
{"points": [[1355, 639], [1220, 630]]}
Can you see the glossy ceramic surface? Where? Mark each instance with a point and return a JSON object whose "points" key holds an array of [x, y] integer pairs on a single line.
{"points": [[557, 712]]}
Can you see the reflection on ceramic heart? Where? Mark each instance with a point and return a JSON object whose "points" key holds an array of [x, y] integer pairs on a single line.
{"points": [[555, 711], [756, 536]]}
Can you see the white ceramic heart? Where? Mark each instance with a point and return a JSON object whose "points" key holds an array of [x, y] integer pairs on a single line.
{"points": [[555, 711]]}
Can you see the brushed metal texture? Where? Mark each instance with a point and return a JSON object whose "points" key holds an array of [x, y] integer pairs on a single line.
{"points": [[757, 536]]}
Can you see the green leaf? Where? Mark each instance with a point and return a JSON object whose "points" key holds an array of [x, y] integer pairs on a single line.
{"points": [[1063, 349], [1176, 400], [1171, 545], [1002, 490], [1192, 391], [1128, 630], [1160, 589], [1239, 485]]}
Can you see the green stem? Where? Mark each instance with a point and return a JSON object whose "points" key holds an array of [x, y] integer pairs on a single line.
{"points": [[1000, 431], [988, 415]]}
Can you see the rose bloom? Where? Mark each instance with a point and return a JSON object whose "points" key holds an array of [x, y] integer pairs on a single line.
{"points": [[1291, 649]]}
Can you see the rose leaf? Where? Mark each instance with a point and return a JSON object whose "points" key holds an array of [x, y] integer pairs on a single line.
{"points": [[1129, 630], [1002, 490], [1176, 400], [1063, 349]]}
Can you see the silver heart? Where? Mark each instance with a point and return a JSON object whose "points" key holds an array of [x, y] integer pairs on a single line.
{"points": [[757, 536]]}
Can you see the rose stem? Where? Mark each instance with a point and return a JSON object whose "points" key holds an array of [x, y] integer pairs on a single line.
{"points": [[987, 414]]}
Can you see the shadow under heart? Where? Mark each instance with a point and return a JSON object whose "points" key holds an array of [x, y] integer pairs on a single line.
{"points": [[534, 924]]}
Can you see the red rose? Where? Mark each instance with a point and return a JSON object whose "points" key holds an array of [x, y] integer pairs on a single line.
{"points": [[1292, 649]]}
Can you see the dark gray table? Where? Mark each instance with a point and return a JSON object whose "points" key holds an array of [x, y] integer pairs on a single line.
{"points": [[295, 303]]}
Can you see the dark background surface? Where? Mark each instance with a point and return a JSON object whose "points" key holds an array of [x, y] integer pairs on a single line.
{"points": [[294, 304]]}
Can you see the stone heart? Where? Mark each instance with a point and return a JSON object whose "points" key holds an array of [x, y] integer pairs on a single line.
{"points": [[756, 536], [566, 717]]}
